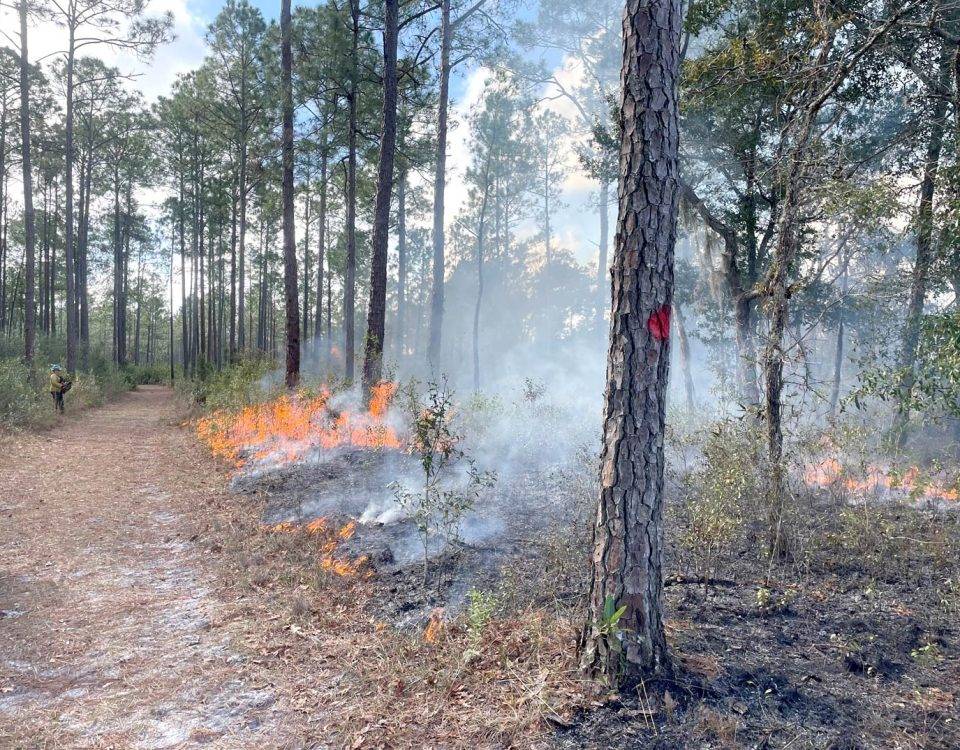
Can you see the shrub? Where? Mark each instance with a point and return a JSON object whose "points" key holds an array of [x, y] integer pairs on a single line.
{"points": [[717, 494], [450, 482], [23, 400], [247, 382]]}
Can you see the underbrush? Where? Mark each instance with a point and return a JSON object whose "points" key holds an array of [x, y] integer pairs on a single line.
{"points": [[850, 633], [252, 380], [484, 677], [25, 401]]}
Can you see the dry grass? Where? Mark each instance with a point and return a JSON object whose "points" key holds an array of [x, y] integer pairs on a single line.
{"points": [[359, 682]]}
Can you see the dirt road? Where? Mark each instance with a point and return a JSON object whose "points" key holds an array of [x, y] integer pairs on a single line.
{"points": [[112, 634]]}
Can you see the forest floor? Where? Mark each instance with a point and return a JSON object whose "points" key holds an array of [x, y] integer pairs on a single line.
{"points": [[113, 630], [146, 601]]}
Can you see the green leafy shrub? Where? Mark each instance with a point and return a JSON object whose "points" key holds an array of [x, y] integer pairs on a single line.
{"points": [[247, 382], [717, 495], [23, 402]]}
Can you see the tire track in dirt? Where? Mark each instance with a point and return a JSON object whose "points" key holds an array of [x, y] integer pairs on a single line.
{"points": [[111, 631]]}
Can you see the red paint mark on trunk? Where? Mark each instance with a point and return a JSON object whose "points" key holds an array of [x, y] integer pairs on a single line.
{"points": [[659, 323]]}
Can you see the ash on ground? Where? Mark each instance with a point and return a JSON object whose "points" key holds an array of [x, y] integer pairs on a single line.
{"points": [[507, 524]]}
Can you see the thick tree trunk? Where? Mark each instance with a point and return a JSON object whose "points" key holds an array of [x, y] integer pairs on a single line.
{"points": [[627, 557], [289, 231], [29, 218], [350, 277], [439, 188], [924, 258], [377, 311]]}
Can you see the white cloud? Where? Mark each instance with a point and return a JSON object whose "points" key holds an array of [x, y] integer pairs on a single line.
{"points": [[153, 76]]}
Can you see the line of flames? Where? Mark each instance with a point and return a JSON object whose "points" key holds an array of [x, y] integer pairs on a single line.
{"points": [[331, 539], [831, 473], [289, 427]]}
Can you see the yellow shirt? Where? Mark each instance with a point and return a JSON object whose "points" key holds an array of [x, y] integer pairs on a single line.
{"points": [[56, 382]]}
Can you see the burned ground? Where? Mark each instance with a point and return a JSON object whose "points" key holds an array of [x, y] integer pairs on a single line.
{"points": [[850, 642]]}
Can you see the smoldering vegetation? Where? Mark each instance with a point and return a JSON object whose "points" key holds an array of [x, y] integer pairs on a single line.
{"points": [[852, 631]]}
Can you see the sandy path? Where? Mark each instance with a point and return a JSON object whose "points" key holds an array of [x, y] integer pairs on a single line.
{"points": [[111, 631]]}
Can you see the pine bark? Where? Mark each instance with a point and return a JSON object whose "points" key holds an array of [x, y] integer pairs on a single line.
{"points": [[350, 291], [626, 566], [377, 311], [289, 231]]}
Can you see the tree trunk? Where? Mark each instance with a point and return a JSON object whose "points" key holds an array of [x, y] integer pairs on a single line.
{"points": [[350, 277], [69, 259], [377, 312], [170, 312], [626, 570], [400, 335], [305, 330], [83, 297], [184, 343], [233, 277], [685, 368], [477, 307], [289, 231], [439, 188], [242, 196], [321, 241], [838, 358], [116, 264], [746, 347], [29, 218], [136, 325]]}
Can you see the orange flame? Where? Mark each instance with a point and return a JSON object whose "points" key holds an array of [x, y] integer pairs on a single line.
{"points": [[330, 540], [831, 473], [287, 428], [434, 627]]}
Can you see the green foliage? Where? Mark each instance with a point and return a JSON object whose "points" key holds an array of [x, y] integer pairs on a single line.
{"points": [[717, 494], [936, 387], [23, 402], [233, 387], [481, 607], [451, 483]]}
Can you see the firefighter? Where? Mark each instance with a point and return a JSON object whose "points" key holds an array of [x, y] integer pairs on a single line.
{"points": [[58, 386]]}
